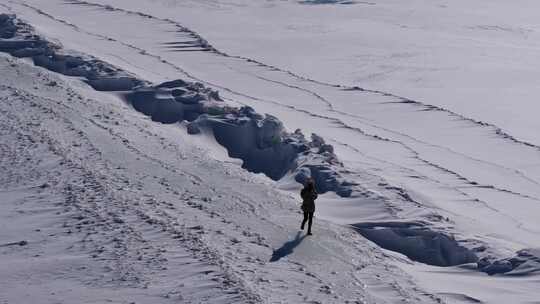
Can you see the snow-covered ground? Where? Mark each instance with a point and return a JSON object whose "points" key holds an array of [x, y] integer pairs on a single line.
{"points": [[112, 207], [431, 107]]}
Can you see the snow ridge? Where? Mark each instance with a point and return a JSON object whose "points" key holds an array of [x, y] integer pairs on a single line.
{"points": [[174, 101]]}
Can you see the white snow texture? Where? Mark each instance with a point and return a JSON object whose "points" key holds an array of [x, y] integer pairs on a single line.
{"points": [[153, 151]]}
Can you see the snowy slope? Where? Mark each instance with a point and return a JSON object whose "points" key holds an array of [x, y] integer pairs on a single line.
{"points": [[438, 157], [115, 208]]}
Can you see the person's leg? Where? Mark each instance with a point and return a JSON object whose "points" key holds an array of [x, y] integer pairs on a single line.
{"points": [[305, 220], [310, 215]]}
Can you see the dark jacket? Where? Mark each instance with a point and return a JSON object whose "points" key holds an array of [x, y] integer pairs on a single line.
{"points": [[308, 197]]}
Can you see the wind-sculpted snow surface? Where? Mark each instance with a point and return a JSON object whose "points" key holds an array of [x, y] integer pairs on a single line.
{"points": [[259, 140], [20, 40], [418, 243]]}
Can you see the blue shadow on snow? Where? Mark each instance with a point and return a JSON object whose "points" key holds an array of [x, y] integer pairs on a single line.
{"points": [[287, 248]]}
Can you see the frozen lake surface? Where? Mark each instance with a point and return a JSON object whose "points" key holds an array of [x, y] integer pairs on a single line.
{"points": [[431, 106]]}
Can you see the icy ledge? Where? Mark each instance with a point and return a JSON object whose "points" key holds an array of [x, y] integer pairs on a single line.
{"points": [[259, 140]]}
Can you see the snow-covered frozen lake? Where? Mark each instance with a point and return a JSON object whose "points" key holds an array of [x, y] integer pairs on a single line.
{"points": [[477, 58], [432, 106]]}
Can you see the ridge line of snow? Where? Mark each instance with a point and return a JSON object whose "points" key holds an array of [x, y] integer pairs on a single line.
{"points": [[403, 100]]}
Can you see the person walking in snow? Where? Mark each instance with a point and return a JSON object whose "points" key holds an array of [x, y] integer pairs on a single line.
{"points": [[308, 194]]}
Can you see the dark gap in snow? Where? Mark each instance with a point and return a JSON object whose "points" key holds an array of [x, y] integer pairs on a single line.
{"points": [[260, 141], [525, 262], [460, 298], [417, 242]]}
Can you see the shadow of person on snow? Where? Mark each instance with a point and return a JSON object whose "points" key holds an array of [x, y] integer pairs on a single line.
{"points": [[287, 248]]}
